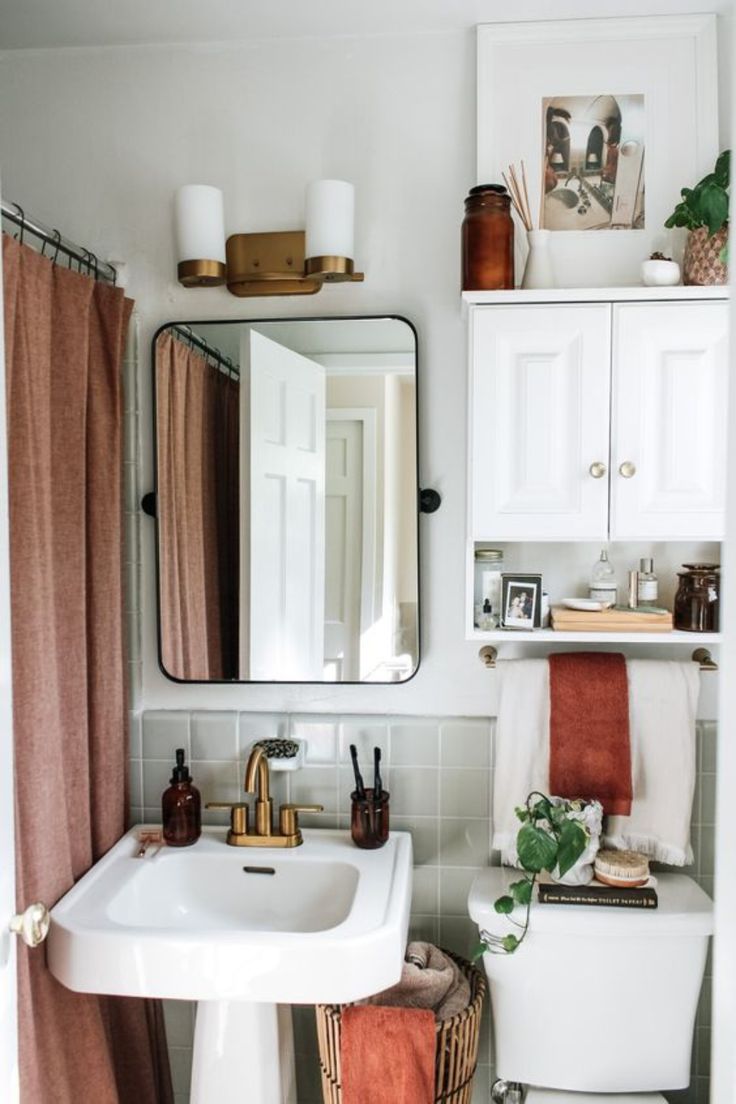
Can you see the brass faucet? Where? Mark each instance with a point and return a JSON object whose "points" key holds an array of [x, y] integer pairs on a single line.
{"points": [[257, 782]]}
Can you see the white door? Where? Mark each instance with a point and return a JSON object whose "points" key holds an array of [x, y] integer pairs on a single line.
{"points": [[286, 480], [8, 1011], [668, 455], [539, 411], [343, 551]]}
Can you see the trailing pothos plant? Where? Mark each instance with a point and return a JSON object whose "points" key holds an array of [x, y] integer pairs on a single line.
{"points": [[551, 838]]}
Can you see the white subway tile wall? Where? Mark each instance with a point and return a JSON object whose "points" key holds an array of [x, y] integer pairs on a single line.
{"points": [[439, 773]]}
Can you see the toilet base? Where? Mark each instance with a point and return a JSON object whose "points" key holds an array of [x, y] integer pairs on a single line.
{"points": [[561, 1096]]}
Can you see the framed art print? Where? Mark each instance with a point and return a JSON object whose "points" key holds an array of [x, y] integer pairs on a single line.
{"points": [[612, 117]]}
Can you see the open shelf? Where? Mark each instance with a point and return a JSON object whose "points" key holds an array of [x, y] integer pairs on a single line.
{"points": [[553, 636]]}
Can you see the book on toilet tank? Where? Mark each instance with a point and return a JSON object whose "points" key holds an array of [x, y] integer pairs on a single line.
{"points": [[596, 894]]}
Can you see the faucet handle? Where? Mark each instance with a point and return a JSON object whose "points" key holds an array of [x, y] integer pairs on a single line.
{"points": [[238, 815], [288, 820]]}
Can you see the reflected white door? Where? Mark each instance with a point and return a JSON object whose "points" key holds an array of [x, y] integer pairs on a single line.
{"points": [[286, 540], [8, 1011], [344, 539]]}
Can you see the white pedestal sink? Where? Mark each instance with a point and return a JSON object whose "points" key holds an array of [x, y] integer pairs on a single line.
{"points": [[241, 931]]}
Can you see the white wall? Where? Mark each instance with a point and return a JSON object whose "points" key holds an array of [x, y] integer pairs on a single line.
{"points": [[96, 141]]}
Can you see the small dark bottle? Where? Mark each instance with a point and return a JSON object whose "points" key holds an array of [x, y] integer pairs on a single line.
{"points": [[181, 807]]}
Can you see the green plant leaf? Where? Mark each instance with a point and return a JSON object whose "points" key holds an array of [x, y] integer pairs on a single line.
{"points": [[722, 171], [522, 891], [510, 943], [478, 951], [573, 841], [504, 905], [537, 849], [713, 207]]}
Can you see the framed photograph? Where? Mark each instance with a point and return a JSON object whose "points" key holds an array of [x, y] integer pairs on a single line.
{"points": [[612, 118], [521, 601]]}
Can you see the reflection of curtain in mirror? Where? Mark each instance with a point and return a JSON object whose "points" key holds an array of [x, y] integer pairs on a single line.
{"points": [[197, 428]]}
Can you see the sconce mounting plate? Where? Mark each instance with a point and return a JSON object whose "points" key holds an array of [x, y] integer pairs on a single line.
{"points": [[268, 264]]}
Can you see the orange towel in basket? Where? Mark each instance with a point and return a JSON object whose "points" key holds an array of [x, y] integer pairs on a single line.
{"points": [[387, 1054], [589, 745]]}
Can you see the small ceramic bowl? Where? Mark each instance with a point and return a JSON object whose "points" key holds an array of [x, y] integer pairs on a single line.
{"points": [[660, 273]]}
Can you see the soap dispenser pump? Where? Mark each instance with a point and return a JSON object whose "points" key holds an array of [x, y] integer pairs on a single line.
{"points": [[181, 807]]}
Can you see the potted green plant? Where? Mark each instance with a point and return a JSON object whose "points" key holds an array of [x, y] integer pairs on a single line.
{"points": [[556, 835], [703, 211]]}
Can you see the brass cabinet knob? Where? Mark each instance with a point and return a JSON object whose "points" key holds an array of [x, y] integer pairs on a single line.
{"points": [[597, 469], [32, 925], [627, 469]]}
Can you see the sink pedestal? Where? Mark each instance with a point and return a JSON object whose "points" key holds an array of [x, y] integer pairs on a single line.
{"points": [[243, 1050]]}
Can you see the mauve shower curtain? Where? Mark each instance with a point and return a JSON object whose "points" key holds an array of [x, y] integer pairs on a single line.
{"points": [[64, 337], [197, 431]]}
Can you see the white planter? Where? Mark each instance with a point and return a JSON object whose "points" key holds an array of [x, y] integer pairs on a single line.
{"points": [[660, 273], [591, 817]]}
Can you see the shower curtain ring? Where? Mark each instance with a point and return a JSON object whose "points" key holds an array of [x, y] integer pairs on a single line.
{"points": [[21, 212], [93, 257], [57, 239]]}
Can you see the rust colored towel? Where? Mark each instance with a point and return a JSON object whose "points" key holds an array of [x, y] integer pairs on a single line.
{"points": [[387, 1054], [589, 747]]}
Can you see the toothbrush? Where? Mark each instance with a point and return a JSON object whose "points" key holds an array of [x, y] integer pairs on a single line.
{"points": [[377, 783], [359, 786]]}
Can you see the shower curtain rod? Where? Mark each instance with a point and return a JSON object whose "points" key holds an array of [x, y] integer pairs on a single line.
{"points": [[209, 350], [86, 260]]}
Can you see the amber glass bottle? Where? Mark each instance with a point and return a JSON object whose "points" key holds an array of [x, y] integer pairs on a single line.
{"points": [[181, 807], [697, 598], [488, 239]]}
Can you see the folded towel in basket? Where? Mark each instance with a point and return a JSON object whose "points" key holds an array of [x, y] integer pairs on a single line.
{"points": [[387, 1054], [429, 979]]}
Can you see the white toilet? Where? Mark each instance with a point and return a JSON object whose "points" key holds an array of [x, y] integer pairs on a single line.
{"points": [[596, 1000]]}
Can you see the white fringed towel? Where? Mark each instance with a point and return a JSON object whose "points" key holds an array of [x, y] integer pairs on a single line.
{"points": [[663, 697], [522, 746]]}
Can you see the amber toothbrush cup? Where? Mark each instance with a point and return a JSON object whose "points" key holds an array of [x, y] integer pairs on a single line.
{"points": [[369, 819]]}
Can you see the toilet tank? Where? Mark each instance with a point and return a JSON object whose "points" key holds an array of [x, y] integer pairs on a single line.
{"points": [[597, 999]]}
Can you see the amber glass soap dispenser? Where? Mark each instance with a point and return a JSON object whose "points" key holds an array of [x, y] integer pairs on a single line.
{"points": [[181, 807]]}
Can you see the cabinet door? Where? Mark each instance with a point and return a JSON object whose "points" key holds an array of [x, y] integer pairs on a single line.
{"points": [[668, 452], [539, 414]]}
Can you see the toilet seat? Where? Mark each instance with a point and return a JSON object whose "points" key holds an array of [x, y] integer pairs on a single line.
{"points": [[561, 1096]]}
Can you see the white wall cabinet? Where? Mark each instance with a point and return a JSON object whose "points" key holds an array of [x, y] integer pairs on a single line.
{"points": [[596, 419]]}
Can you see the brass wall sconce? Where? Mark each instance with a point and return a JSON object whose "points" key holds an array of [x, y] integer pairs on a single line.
{"points": [[290, 262]]}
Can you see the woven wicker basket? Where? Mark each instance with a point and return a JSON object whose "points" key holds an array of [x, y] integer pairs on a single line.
{"points": [[456, 1051]]}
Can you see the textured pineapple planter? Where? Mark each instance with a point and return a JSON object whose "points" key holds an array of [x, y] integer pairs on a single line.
{"points": [[701, 264]]}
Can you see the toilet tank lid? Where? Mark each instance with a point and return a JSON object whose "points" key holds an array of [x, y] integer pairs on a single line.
{"points": [[684, 908]]}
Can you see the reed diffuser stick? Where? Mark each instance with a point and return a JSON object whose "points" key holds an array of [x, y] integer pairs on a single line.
{"points": [[527, 217], [514, 200], [526, 193]]}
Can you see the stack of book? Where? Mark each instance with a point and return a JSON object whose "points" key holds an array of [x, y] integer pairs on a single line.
{"points": [[596, 893], [620, 619]]}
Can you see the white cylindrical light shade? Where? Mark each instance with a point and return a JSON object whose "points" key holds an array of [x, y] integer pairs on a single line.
{"points": [[200, 223], [330, 219]]}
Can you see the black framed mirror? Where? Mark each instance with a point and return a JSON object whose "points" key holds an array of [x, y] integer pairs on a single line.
{"points": [[286, 500]]}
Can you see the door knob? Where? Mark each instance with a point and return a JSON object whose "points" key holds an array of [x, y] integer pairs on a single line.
{"points": [[597, 469], [32, 925], [627, 469]]}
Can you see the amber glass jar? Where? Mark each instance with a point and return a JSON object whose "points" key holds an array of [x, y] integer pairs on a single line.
{"points": [[488, 239], [696, 601]]}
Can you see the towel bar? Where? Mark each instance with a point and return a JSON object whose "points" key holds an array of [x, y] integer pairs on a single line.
{"points": [[488, 656]]}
